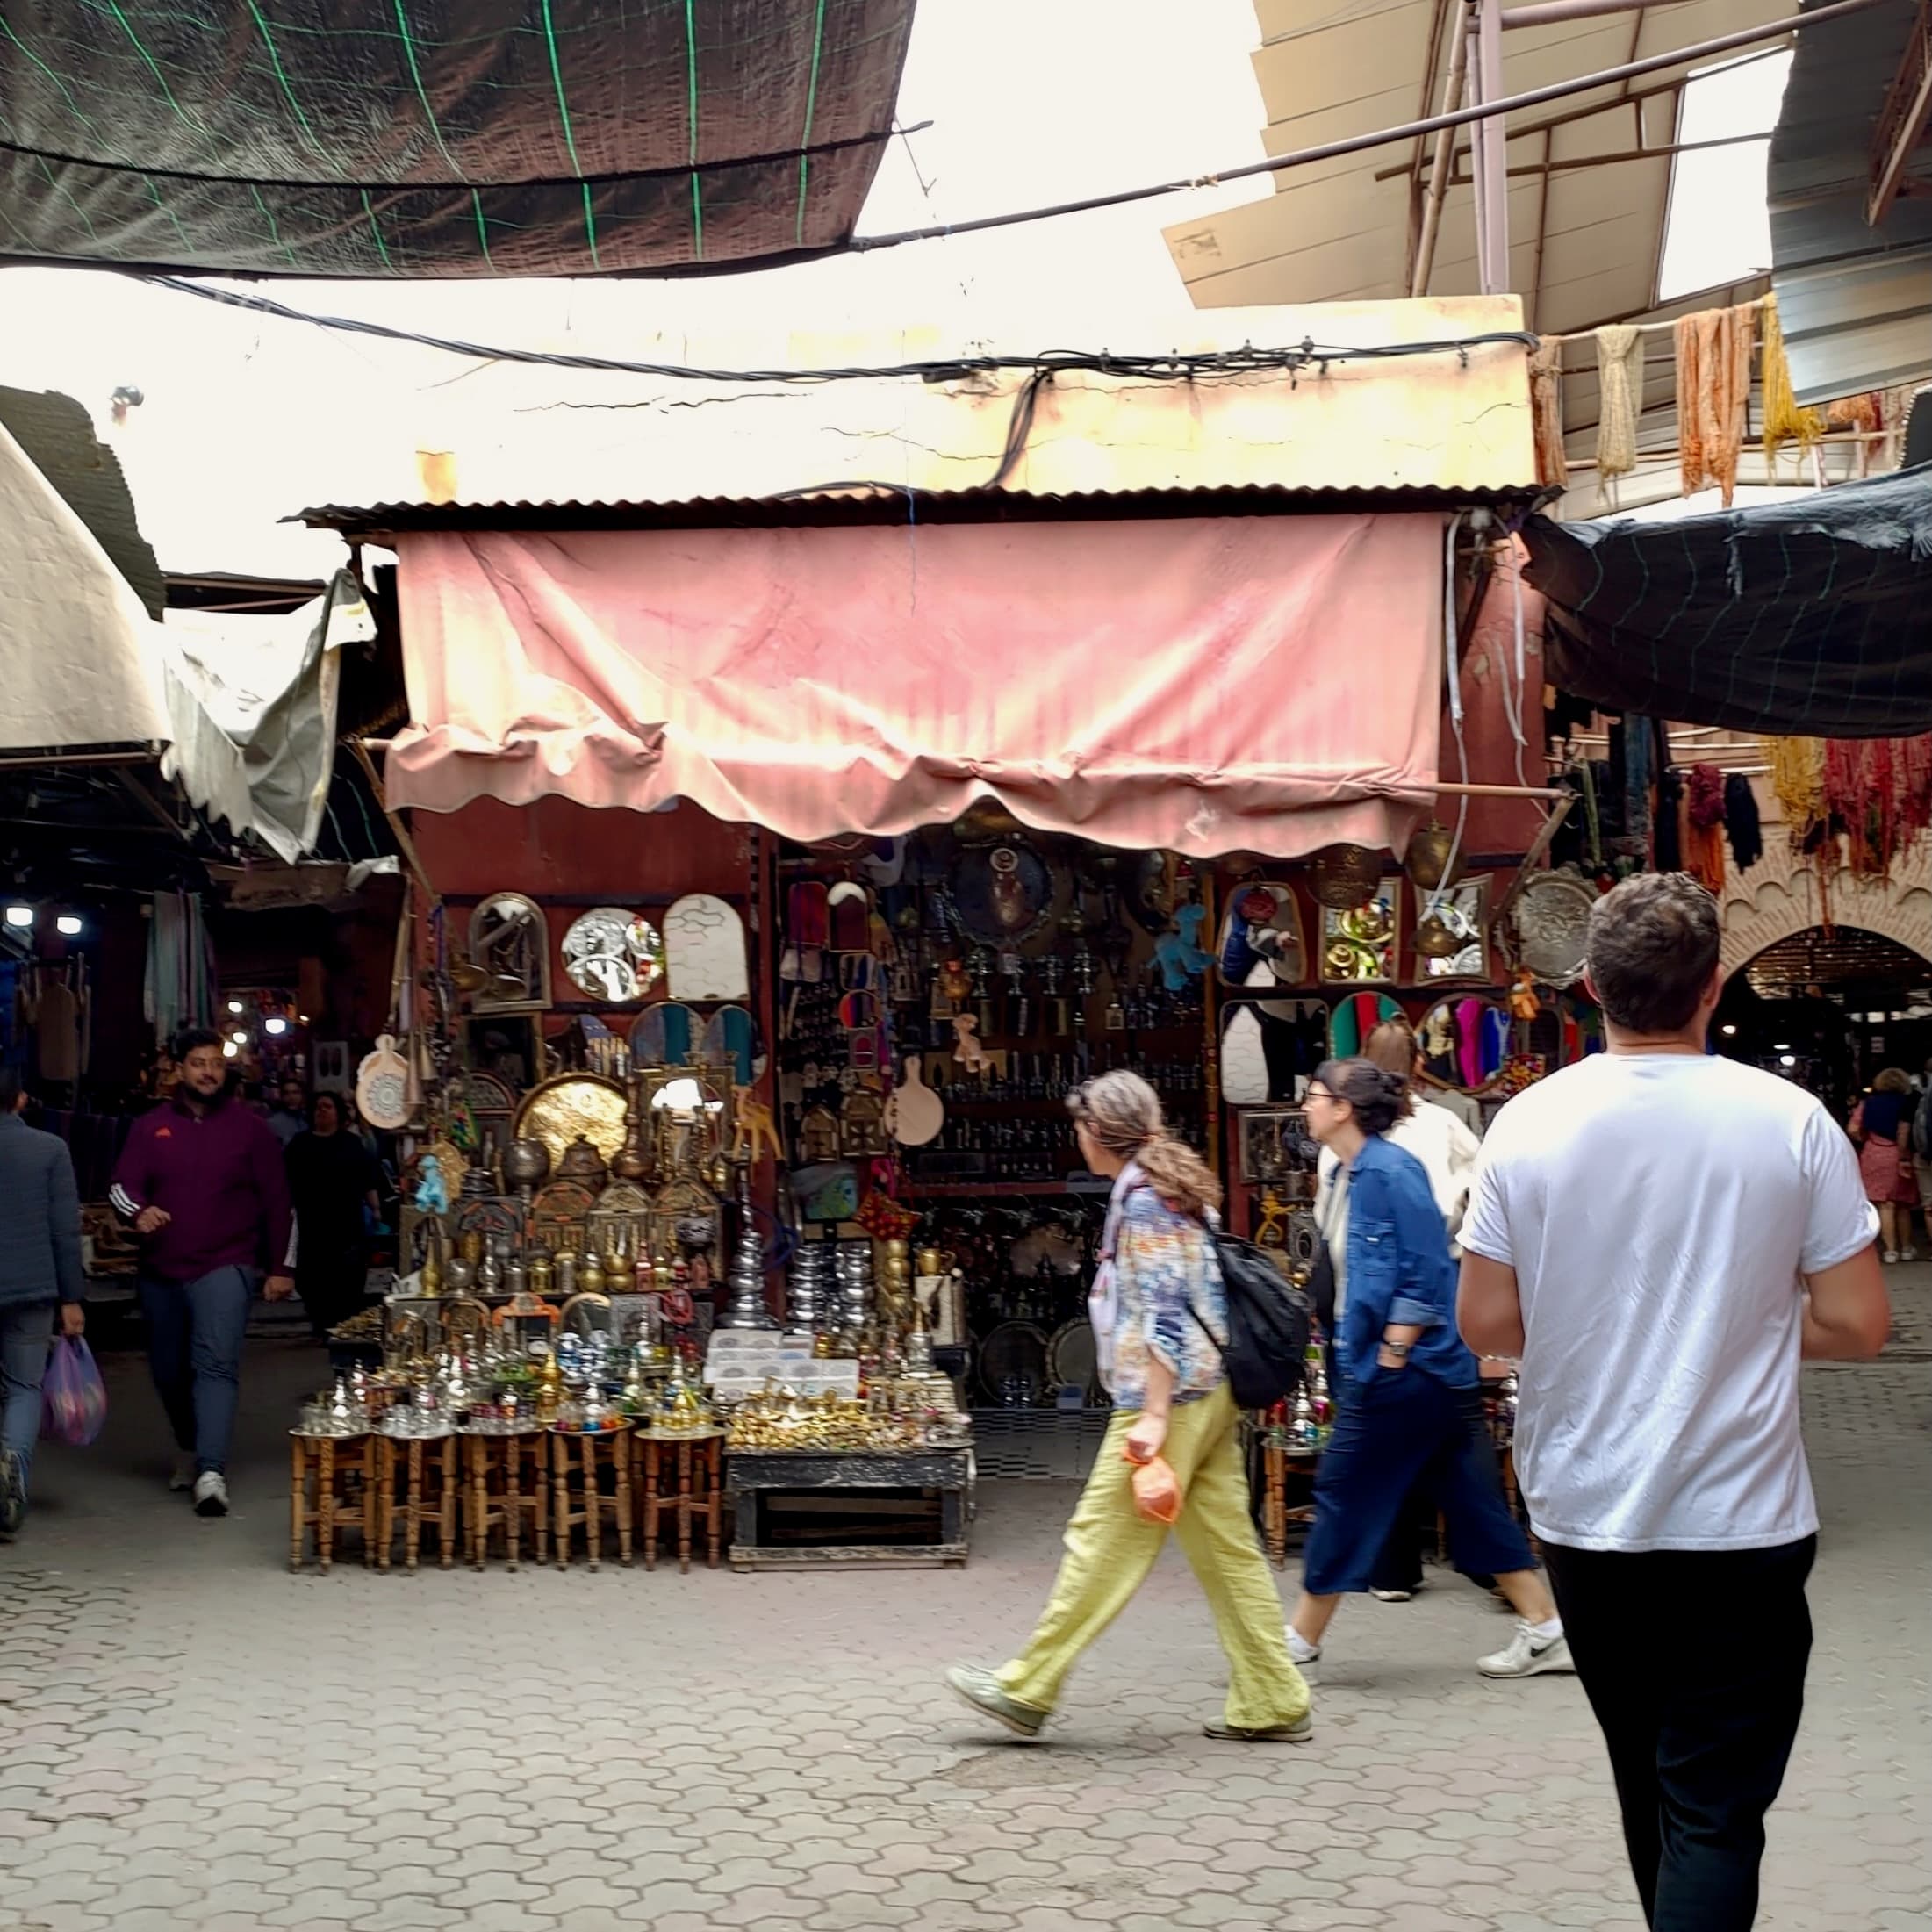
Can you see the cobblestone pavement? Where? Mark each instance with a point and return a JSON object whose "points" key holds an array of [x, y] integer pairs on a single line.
{"points": [[191, 1738]]}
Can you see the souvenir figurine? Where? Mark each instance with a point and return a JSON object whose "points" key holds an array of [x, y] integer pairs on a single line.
{"points": [[1523, 1003], [432, 1191]]}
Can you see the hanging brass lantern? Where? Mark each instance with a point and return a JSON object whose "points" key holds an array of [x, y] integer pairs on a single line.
{"points": [[1428, 859], [1347, 875]]}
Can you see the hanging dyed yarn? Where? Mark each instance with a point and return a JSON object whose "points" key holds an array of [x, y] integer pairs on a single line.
{"points": [[1784, 421], [1742, 823], [1703, 839], [1714, 388], [1798, 777], [1880, 790], [1619, 390], [1546, 405]]}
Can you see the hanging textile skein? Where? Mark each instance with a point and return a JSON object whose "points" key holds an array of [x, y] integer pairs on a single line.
{"points": [[1619, 392], [1741, 821], [1704, 843], [1880, 790], [1784, 421], [1713, 389], [1798, 778], [1545, 404]]}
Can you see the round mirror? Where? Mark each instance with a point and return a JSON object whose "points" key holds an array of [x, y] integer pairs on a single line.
{"points": [[1464, 1042], [1260, 941], [612, 956]]}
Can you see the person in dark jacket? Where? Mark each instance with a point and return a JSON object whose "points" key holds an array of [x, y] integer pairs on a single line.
{"points": [[39, 1273], [332, 1180], [201, 1181], [1414, 1409]]}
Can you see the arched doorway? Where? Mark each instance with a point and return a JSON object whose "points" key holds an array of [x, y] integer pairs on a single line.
{"points": [[1780, 897]]}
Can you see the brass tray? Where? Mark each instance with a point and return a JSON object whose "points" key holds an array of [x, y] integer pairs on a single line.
{"points": [[559, 1110]]}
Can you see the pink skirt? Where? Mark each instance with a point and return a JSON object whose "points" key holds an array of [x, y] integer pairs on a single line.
{"points": [[1879, 1169]]}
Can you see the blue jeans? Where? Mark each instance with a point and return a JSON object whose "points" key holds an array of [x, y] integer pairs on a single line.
{"points": [[26, 1334], [194, 1350]]}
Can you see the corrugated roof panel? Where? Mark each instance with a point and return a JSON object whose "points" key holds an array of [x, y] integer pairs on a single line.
{"points": [[1350, 70]]}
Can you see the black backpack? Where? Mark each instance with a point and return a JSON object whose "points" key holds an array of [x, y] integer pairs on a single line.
{"points": [[1269, 1322]]}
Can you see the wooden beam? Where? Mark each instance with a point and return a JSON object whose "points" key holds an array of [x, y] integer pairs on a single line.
{"points": [[1903, 120]]}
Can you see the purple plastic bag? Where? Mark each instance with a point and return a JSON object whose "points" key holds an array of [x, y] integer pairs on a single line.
{"points": [[72, 1397]]}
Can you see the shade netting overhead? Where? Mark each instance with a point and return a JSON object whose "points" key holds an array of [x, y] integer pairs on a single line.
{"points": [[1811, 616], [415, 138]]}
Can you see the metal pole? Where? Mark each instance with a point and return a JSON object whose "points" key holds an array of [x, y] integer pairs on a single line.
{"points": [[1491, 150], [1439, 165], [1550, 12]]}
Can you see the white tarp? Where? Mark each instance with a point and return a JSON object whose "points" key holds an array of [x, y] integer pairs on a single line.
{"points": [[80, 658], [251, 705]]}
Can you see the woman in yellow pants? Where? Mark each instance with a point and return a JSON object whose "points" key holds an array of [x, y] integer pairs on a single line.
{"points": [[1158, 1313]]}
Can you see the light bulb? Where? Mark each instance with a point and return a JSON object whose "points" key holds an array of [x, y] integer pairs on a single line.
{"points": [[69, 924], [19, 915], [228, 1050], [234, 1006], [1787, 1059], [1728, 1029], [278, 1024], [238, 1039]]}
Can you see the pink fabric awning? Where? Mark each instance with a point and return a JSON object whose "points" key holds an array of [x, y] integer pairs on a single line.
{"points": [[1202, 685]]}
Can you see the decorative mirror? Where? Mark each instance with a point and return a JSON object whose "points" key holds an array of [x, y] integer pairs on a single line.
{"points": [[508, 970], [1450, 937], [1269, 1048], [1261, 940], [1359, 943], [1355, 1018], [665, 1035], [1276, 1151], [1552, 925], [1464, 1041], [612, 956], [703, 950], [1004, 895]]}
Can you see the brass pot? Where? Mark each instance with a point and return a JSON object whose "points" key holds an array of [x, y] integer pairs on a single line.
{"points": [[1428, 859], [581, 1162]]}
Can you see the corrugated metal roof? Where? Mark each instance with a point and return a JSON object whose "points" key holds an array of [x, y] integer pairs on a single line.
{"points": [[1585, 242], [1443, 424], [1855, 303]]}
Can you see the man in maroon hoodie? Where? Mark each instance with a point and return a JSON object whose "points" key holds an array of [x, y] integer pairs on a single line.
{"points": [[201, 1180]]}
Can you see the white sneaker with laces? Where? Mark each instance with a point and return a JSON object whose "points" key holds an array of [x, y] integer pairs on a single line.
{"points": [[1528, 1656], [211, 1493], [1908, 1255], [1307, 1661], [1891, 1258], [183, 1479]]}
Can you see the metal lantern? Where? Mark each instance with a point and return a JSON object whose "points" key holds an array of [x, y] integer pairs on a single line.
{"points": [[1426, 861], [805, 1311], [746, 1282]]}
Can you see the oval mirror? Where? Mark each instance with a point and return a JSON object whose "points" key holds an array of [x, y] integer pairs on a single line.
{"points": [[1464, 1042], [612, 956]]}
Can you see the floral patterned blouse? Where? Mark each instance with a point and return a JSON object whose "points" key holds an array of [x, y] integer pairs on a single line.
{"points": [[1157, 1274]]}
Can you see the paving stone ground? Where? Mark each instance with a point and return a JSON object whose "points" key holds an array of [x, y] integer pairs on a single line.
{"points": [[191, 1738]]}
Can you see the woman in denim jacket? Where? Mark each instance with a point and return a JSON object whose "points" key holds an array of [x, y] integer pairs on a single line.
{"points": [[1414, 1409]]}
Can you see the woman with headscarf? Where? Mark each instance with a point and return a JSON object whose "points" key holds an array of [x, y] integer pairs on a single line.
{"points": [[1414, 1410], [1159, 1316]]}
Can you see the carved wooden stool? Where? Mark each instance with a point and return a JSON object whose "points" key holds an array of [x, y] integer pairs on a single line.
{"points": [[332, 1488], [594, 1447], [509, 1481], [430, 1483], [684, 1474]]}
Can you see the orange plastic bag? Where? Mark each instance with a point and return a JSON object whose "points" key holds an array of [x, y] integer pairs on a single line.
{"points": [[1157, 1491]]}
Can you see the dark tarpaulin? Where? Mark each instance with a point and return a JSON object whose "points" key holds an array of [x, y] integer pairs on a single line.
{"points": [[1809, 617], [417, 138]]}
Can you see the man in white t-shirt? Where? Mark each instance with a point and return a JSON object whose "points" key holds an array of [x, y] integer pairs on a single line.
{"points": [[1660, 1236]]}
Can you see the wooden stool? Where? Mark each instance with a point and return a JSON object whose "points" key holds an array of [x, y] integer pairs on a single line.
{"points": [[684, 1473], [509, 1478], [594, 1508], [327, 1461], [1278, 1461], [431, 1483]]}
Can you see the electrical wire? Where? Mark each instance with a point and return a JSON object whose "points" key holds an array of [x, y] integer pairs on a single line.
{"points": [[1306, 356]]}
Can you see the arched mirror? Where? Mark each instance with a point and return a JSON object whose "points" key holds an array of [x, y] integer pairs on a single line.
{"points": [[1260, 938], [1270, 1047], [1464, 1042]]}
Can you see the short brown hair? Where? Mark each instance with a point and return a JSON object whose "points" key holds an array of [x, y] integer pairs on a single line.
{"points": [[1653, 948], [1894, 1079]]}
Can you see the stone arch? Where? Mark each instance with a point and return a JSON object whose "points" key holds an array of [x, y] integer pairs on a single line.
{"points": [[1779, 897]]}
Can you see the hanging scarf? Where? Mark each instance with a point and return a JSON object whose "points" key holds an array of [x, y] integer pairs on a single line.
{"points": [[1545, 403], [1619, 392], [1667, 826], [1798, 777], [1784, 421], [1741, 821], [1714, 388]]}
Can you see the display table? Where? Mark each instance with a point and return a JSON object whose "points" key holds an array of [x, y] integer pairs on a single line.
{"points": [[332, 1488], [777, 1494], [591, 1449], [509, 1485], [682, 1473]]}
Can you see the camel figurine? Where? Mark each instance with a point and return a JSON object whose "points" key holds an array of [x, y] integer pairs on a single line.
{"points": [[967, 1049], [753, 1127]]}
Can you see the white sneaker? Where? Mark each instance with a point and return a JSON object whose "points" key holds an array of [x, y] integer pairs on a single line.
{"points": [[1528, 1656], [183, 1479], [1308, 1665], [1891, 1258], [211, 1493], [1908, 1255], [1396, 1596]]}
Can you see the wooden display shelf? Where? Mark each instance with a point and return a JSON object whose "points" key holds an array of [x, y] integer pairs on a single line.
{"points": [[772, 1490]]}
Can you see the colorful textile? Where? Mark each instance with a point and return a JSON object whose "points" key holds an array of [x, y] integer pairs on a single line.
{"points": [[1157, 1296], [1713, 389]]}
